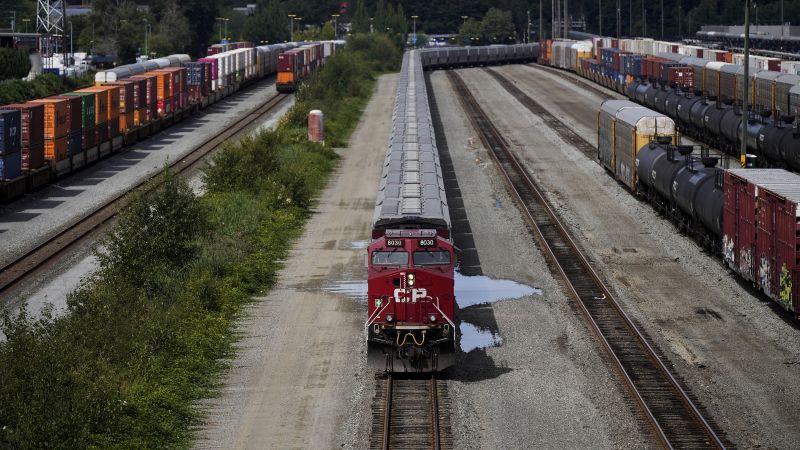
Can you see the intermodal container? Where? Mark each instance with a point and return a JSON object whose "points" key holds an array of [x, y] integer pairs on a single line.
{"points": [[56, 149], [164, 86], [10, 165], [75, 143], [127, 94], [90, 137], [10, 133], [33, 157], [110, 96], [139, 93], [113, 128], [682, 76], [100, 104], [32, 122], [88, 108], [102, 132], [75, 112], [56, 117], [127, 121]]}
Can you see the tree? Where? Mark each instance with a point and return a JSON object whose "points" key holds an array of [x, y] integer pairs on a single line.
{"points": [[327, 32], [360, 22], [498, 26], [268, 24], [471, 32], [173, 30]]}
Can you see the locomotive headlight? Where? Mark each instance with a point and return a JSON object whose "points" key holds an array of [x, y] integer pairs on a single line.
{"points": [[411, 280], [433, 318], [389, 318]]}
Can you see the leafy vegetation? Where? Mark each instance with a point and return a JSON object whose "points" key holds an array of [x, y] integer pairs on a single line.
{"points": [[16, 91], [14, 63], [497, 27], [148, 333]]}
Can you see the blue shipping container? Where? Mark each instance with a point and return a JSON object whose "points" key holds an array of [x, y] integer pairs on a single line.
{"points": [[195, 74], [10, 131], [10, 166], [75, 143]]}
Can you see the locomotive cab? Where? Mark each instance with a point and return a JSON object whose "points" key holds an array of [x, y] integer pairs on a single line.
{"points": [[411, 302]]}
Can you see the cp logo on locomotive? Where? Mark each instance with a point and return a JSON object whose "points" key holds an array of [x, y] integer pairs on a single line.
{"points": [[410, 295]]}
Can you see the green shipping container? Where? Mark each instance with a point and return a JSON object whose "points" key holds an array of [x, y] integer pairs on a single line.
{"points": [[88, 109]]}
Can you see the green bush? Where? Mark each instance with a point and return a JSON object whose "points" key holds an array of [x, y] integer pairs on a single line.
{"points": [[14, 63], [45, 85]]}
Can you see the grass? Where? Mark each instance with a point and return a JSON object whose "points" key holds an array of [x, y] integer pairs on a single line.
{"points": [[149, 333]]}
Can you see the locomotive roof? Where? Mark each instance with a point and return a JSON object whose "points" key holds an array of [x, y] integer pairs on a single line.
{"points": [[411, 191]]}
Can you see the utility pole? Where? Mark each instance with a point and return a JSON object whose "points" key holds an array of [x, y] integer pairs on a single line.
{"points": [[745, 105], [644, 20], [619, 26], [662, 19], [146, 35], [630, 18], [782, 22], [541, 29], [291, 27], [680, 20], [558, 19], [552, 19], [600, 17], [528, 30]]}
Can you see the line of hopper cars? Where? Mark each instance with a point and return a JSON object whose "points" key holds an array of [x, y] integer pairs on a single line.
{"points": [[410, 324], [701, 89], [48, 139], [749, 217]]}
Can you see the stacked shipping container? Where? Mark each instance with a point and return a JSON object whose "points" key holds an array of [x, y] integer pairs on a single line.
{"points": [[32, 134], [10, 145]]}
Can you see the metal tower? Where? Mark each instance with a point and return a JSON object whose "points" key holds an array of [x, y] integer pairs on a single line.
{"points": [[50, 23]]}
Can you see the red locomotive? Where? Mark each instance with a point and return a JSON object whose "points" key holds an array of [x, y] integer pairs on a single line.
{"points": [[410, 326]]}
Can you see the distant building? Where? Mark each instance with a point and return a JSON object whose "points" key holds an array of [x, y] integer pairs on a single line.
{"points": [[248, 10]]}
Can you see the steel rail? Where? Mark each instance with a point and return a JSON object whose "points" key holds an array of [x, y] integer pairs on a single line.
{"points": [[387, 417], [408, 414], [674, 419], [14, 272]]}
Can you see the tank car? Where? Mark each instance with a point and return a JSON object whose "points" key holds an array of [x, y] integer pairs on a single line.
{"points": [[411, 261]]}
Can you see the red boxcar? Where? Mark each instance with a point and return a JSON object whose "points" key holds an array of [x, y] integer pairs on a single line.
{"points": [[761, 234]]}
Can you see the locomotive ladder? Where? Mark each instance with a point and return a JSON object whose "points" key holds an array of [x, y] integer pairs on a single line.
{"points": [[673, 417], [408, 413]]}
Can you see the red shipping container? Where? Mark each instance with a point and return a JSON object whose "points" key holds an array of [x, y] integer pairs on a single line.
{"points": [[32, 118], [682, 76], [33, 157], [75, 114], [127, 94]]}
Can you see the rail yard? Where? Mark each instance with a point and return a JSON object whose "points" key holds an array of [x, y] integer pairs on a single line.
{"points": [[520, 246]]}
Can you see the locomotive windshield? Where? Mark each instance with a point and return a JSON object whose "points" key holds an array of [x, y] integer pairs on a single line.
{"points": [[431, 258], [390, 258]]}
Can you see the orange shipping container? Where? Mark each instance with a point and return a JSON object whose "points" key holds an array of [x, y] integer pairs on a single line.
{"points": [[55, 149], [126, 122], [100, 103], [126, 94], [164, 89], [56, 117]]}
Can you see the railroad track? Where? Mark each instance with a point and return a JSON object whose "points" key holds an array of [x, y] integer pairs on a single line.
{"points": [[14, 272], [409, 413], [675, 420]]}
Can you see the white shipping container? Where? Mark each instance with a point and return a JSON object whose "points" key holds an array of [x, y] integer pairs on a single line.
{"points": [[790, 67]]}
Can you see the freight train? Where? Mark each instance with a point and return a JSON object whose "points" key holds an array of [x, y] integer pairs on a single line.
{"points": [[297, 64], [701, 89], [410, 325], [48, 139], [749, 217]]}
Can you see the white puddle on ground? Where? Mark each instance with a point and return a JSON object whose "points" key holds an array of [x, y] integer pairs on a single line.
{"points": [[473, 338]]}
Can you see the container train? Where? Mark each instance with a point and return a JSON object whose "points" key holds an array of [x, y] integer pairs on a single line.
{"points": [[749, 217], [453, 57], [47, 139], [701, 89]]}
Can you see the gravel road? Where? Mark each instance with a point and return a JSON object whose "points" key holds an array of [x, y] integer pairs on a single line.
{"points": [[737, 352], [299, 379]]}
